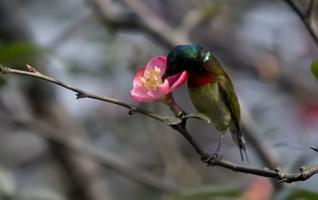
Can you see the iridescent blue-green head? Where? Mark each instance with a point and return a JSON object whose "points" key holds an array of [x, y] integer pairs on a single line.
{"points": [[185, 58]]}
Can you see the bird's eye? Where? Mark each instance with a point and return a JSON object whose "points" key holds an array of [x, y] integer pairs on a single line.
{"points": [[206, 56]]}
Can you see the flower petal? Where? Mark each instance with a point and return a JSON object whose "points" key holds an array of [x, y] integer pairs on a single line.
{"points": [[157, 61], [178, 80], [140, 95], [137, 81], [161, 91]]}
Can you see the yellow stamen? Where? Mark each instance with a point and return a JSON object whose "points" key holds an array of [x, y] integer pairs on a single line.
{"points": [[151, 78]]}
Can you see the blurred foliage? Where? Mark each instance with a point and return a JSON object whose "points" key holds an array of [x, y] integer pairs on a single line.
{"points": [[209, 192], [314, 68], [7, 184], [298, 194], [3, 80], [19, 53], [40, 194]]}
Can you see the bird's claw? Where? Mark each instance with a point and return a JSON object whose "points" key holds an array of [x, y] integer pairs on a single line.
{"points": [[172, 121], [210, 159], [181, 114], [179, 119], [183, 117], [200, 116]]}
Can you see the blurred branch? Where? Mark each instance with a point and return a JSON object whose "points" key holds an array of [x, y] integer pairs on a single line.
{"points": [[304, 174], [306, 18], [70, 31], [79, 180], [203, 12], [106, 159], [251, 132], [192, 19], [151, 24], [156, 24], [310, 9], [314, 148]]}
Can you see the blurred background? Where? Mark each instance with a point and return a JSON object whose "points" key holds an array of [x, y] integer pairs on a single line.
{"points": [[54, 147]]}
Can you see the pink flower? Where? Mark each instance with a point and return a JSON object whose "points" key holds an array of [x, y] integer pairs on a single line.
{"points": [[148, 86], [260, 189]]}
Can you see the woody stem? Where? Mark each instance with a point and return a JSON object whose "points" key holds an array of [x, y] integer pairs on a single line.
{"points": [[181, 128], [174, 106]]}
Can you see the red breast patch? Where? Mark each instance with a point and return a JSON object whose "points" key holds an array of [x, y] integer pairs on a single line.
{"points": [[199, 80]]}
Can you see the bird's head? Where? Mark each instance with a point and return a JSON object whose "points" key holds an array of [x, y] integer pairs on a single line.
{"points": [[184, 58]]}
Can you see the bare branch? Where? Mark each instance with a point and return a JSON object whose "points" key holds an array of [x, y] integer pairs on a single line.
{"points": [[310, 9], [314, 148], [70, 31], [81, 93], [305, 18], [304, 174]]}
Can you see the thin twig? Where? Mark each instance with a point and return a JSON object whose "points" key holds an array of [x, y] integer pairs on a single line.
{"points": [[81, 93], [70, 31], [304, 18], [310, 9], [314, 148], [304, 174]]}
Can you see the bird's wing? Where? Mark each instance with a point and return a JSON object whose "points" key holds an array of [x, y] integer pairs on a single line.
{"points": [[229, 96]]}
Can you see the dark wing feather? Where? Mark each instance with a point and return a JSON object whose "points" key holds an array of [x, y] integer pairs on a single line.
{"points": [[229, 97], [228, 94]]}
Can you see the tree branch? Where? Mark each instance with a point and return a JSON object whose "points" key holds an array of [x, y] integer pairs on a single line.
{"points": [[147, 18], [304, 18], [304, 173], [81, 93]]}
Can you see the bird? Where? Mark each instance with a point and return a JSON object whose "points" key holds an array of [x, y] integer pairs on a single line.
{"points": [[211, 91]]}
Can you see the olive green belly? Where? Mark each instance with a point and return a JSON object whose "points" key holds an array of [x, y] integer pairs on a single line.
{"points": [[208, 100]]}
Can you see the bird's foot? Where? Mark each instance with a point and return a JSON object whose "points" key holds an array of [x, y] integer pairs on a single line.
{"points": [[178, 120], [172, 121], [183, 116], [217, 155], [200, 116], [210, 159]]}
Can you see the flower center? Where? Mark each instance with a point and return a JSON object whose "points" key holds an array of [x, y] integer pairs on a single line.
{"points": [[151, 78]]}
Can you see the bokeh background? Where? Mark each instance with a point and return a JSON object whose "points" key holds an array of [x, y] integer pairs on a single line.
{"points": [[54, 147]]}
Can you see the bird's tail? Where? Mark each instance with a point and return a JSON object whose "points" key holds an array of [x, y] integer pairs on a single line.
{"points": [[240, 141]]}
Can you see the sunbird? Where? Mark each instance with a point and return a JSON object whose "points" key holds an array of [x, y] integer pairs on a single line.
{"points": [[210, 89]]}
